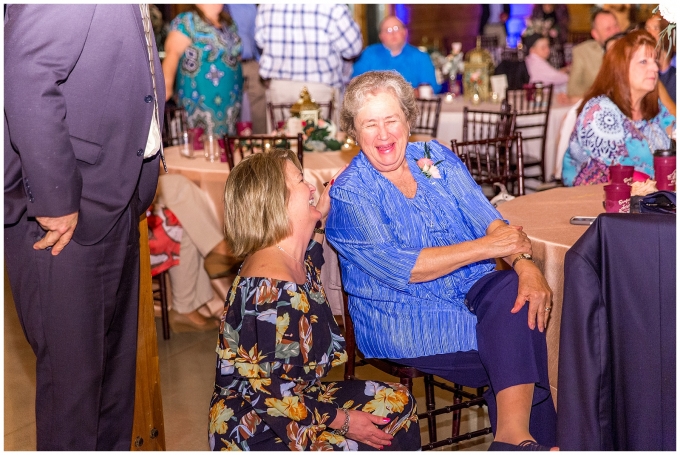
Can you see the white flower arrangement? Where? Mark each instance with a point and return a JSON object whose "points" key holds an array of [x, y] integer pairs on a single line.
{"points": [[669, 11]]}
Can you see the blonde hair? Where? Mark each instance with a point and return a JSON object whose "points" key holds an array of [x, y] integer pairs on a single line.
{"points": [[372, 83], [256, 200]]}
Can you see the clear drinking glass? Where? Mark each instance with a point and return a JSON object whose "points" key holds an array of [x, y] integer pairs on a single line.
{"points": [[211, 148]]}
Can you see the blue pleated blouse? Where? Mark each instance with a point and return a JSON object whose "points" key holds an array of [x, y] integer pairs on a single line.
{"points": [[379, 233]]}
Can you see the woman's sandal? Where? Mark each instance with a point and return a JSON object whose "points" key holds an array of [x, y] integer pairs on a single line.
{"points": [[524, 445]]}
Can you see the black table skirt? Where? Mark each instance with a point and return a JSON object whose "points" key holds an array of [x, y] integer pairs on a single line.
{"points": [[617, 343]]}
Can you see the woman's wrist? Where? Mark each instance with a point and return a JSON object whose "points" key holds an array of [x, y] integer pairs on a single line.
{"points": [[340, 424], [521, 265], [520, 257]]}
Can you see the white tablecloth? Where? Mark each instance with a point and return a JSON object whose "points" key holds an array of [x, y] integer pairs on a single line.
{"points": [[545, 216], [451, 127]]}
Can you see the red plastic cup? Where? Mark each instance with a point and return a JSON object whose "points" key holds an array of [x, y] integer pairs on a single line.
{"points": [[621, 174], [617, 198], [197, 139], [664, 170]]}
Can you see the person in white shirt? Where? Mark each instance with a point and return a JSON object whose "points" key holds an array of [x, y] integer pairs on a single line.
{"points": [[538, 66]]}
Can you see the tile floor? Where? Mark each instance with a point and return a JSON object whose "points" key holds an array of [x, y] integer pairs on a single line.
{"points": [[187, 372]]}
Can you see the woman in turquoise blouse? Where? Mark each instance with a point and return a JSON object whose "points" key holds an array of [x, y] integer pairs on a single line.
{"points": [[203, 62], [417, 242]]}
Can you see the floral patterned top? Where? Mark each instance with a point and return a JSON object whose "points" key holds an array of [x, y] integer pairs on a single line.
{"points": [[209, 80], [277, 339], [604, 136]]}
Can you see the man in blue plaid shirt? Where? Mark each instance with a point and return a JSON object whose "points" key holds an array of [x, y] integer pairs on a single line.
{"points": [[306, 45]]}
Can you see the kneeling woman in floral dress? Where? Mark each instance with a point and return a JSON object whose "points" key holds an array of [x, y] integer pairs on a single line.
{"points": [[278, 337]]}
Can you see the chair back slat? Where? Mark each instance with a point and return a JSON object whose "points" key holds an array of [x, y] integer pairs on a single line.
{"points": [[247, 145], [428, 120], [494, 160], [480, 124], [532, 107]]}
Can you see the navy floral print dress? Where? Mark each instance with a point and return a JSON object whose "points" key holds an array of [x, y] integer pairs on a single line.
{"points": [[277, 340]]}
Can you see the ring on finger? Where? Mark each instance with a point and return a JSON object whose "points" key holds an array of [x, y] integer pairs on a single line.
{"points": [[547, 309]]}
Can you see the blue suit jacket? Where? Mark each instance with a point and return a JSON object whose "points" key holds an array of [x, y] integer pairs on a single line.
{"points": [[77, 113]]}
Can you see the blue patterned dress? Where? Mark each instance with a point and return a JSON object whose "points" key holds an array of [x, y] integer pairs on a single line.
{"points": [[605, 136], [209, 80]]}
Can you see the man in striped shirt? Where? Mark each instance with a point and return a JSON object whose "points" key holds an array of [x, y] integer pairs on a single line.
{"points": [[306, 45]]}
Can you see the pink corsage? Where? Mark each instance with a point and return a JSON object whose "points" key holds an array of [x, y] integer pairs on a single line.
{"points": [[427, 166]]}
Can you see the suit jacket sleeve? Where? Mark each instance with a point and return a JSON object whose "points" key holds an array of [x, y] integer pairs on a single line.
{"points": [[42, 45]]}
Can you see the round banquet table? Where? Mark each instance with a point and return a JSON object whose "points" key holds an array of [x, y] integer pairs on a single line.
{"points": [[545, 216], [318, 167]]}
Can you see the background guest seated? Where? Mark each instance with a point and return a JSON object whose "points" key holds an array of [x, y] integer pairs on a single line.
{"points": [[278, 337], [417, 241], [394, 53], [664, 97], [621, 120], [587, 56], [538, 66], [202, 252]]}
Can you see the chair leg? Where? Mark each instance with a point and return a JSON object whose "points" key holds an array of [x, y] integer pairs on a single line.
{"points": [[430, 406], [164, 305], [408, 382], [455, 417]]}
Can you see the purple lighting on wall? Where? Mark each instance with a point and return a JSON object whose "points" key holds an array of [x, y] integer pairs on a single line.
{"points": [[403, 14]]}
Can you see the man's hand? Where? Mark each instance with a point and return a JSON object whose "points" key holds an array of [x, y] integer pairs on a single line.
{"points": [[59, 232]]}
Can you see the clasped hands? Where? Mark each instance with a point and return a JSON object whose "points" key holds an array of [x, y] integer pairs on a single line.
{"points": [[507, 242]]}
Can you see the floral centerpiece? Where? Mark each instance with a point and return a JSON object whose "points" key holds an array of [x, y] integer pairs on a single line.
{"points": [[447, 68], [318, 136], [670, 13], [473, 81], [478, 70]]}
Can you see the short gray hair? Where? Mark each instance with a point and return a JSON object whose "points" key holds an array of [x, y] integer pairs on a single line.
{"points": [[256, 201], [372, 83]]}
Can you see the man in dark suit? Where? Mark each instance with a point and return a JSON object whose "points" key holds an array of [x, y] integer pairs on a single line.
{"points": [[82, 135]]}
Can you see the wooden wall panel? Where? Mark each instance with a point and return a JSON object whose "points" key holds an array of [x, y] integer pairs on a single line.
{"points": [[443, 24]]}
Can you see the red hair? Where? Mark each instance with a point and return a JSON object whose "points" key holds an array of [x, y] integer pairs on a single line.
{"points": [[613, 78]]}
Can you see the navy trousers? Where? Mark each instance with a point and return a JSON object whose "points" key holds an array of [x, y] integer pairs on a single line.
{"points": [[78, 311], [509, 353]]}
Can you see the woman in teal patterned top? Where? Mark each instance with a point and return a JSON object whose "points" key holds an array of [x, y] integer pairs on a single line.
{"points": [[203, 61]]}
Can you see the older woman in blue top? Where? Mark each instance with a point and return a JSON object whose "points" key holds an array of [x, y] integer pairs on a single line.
{"points": [[417, 242]]}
